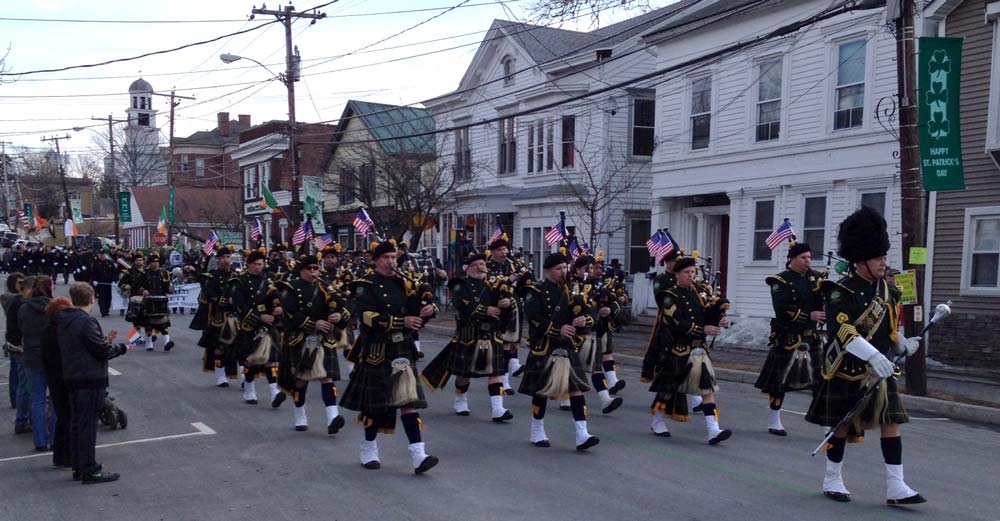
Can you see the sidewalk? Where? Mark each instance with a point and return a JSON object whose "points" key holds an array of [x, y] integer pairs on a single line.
{"points": [[960, 393]]}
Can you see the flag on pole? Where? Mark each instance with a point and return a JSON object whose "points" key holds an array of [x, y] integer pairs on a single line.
{"points": [[255, 230], [267, 199], [783, 233], [161, 225], [362, 223], [665, 247], [574, 250], [213, 240], [24, 219], [69, 228], [39, 222], [322, 241], [555, 234], [653, 243], [304, 233], [133, 335], [497, 232], [123, 263]]}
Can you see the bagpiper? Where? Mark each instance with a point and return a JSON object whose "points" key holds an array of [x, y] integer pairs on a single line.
{"points": [[216, 320], [583, 281], [131, 283], [863, 332], [553, 367], [257, 304], [476, 349], [312, 319], [794, 358], [384, 380], [499, 265]]}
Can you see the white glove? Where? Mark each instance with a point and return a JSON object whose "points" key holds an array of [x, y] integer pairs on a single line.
{"points": [[907, 346], [880, 365]]}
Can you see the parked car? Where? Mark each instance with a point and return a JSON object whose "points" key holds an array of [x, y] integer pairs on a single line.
{"points": [[4, 228], [7, 239]]}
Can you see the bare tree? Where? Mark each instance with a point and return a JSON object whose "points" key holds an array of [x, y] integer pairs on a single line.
{"points": [[38, 180], [558, 11], [225, 214], [139, 161], [603, 181]]}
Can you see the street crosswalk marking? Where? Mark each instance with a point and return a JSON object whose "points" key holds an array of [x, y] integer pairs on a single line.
{"points": [[202, 430]]}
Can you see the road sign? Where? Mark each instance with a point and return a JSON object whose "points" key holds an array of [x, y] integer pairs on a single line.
{"points": [[160, 239]]}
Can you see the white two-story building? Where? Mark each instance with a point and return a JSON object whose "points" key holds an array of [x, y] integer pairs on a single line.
{"points": [[799, 127]]}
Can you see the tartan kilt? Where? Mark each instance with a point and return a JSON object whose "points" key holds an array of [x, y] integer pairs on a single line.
{"points": [[157, 323], [330, 363], [245, 346], [200, 319], [672, 405], [779, 356], [836, 396], [459, 359], [670, 373], [370, 388], [535, 374]]}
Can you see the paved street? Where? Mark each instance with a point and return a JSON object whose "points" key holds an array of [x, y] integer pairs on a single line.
{"points": [[246, 462]]}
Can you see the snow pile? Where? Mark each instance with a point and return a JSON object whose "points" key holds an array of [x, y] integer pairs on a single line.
{"points": [[746, 332]]}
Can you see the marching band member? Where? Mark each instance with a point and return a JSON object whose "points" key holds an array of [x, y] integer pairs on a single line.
{"points": [[258, 307]]}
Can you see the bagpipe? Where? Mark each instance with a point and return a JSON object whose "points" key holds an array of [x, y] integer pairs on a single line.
{"points": [[709, 289], [419, 292]]}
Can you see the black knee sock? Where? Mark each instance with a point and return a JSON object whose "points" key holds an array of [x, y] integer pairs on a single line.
{"points": [[708, 409], [538, 404], [495, 389], [600, 384], [578, 404], [371, 432], [892, 450], [248, 374], [411, 424], [775, 401], [835, 449], [608, 365], [462, 388], [271, 374], [300, 395], [329, 392]]}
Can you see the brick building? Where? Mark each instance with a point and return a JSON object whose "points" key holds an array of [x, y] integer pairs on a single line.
{"points": [[203, 158]]}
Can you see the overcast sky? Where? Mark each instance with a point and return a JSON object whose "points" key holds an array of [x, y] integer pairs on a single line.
{"points": [[37, 105]]}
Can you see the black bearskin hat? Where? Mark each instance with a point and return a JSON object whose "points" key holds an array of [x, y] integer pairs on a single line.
{"points": [[862, 236], [798, 249], [686, 262], [553, 260]]}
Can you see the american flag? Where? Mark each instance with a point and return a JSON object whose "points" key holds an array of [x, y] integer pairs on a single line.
{"points": [[24, 219], [556, 234], [783, 233], [322, 241], [653, 243], [304, 233], [497, 232], [209, 246], [665, 247], [575, 250], [255, 230], [362, 223]]}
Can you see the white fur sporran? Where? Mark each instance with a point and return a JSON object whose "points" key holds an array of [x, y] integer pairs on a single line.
{"points": [[262, 353], [316, 370], [404, 383], [588, 351], [701, 376], [230, 327], [798, 372], [513, 336], [559, 374]]}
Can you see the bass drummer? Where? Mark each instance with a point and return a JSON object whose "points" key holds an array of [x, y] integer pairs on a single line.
{"points": [[155, 288]]}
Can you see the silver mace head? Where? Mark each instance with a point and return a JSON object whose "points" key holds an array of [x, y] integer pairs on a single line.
{"points": [[941, 312]]}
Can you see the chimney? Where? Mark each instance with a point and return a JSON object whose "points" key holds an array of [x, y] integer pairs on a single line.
{"points": [[245, 120], [223, 119]]}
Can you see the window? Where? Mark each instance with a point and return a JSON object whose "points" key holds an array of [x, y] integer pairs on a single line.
{"points": [[199, 167], [531, 148], [985, 272], [850, 94], [143, 120], [762, 227], [507, 152], [347, 183], [875, 201], [540, 152], [366, 179], [535, 248], [568, 141], [135, 102], [769, 100], [701, 112], [643, 126], [184, 163], [463, 154], [550, 147], [251, 190], [508, 70], [142, 102], [814, 226], [638, 255]]}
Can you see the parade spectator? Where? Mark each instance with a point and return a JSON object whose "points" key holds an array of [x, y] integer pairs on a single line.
{"points": [[85, 353], [22, 419], [14, 281], [51, 359], [32, 321]]}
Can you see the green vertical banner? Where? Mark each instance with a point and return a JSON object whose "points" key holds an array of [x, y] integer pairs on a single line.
{"points": [[74, 205], [29, 210], [124, 207], [312, 186], [938, 86], [170, 205]]}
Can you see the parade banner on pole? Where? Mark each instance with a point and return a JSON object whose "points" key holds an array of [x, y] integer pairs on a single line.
{"points": [[74, 205], [125, 207], [170, 205], [184, 296], [312, 186], [939, 64]]}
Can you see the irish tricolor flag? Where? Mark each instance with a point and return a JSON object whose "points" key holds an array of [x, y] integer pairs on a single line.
{"points": [[161, 225], [267, 199], [133, 335]]}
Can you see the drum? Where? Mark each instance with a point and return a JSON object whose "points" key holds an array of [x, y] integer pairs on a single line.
{"points": [[134, 314], [155, 307]]}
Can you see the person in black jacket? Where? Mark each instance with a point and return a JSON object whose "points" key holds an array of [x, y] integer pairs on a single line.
{"points": [[85, 353], [103, 273], [52, 360], [12, 337]]}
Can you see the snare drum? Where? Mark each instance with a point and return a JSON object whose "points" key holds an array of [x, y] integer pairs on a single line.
{"points": [[155, 306], [134, 314]]}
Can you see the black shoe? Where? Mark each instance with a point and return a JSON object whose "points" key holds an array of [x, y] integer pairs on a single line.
{"points": [[372, 465], [507, 415], [463, 413], [77, 475], [519, 370], [223, 384], [543, 443], [103, 314], [778, 432], [251, 402], [619, 385], [168, 346], [428, 463], [915, 499], [301, 428], [23, 428], [664, 434], [591, 441], [99, 477], [839, 497], [506, 392], [335, 425], [720, 437], [43, 449], [696, 408], [616, 402], [278, 400], [565, 408]]}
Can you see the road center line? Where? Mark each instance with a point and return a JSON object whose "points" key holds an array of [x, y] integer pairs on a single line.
{"points": [[202, 430], [114, 372]]}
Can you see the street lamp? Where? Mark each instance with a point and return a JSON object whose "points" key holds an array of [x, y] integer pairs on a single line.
{"points": [[288, 78]]}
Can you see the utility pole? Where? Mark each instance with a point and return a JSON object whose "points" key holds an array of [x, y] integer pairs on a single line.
{"points": [[62, 174], [913, 200], [291, 76], [171, 168], [6, 187], [114, 174]]}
